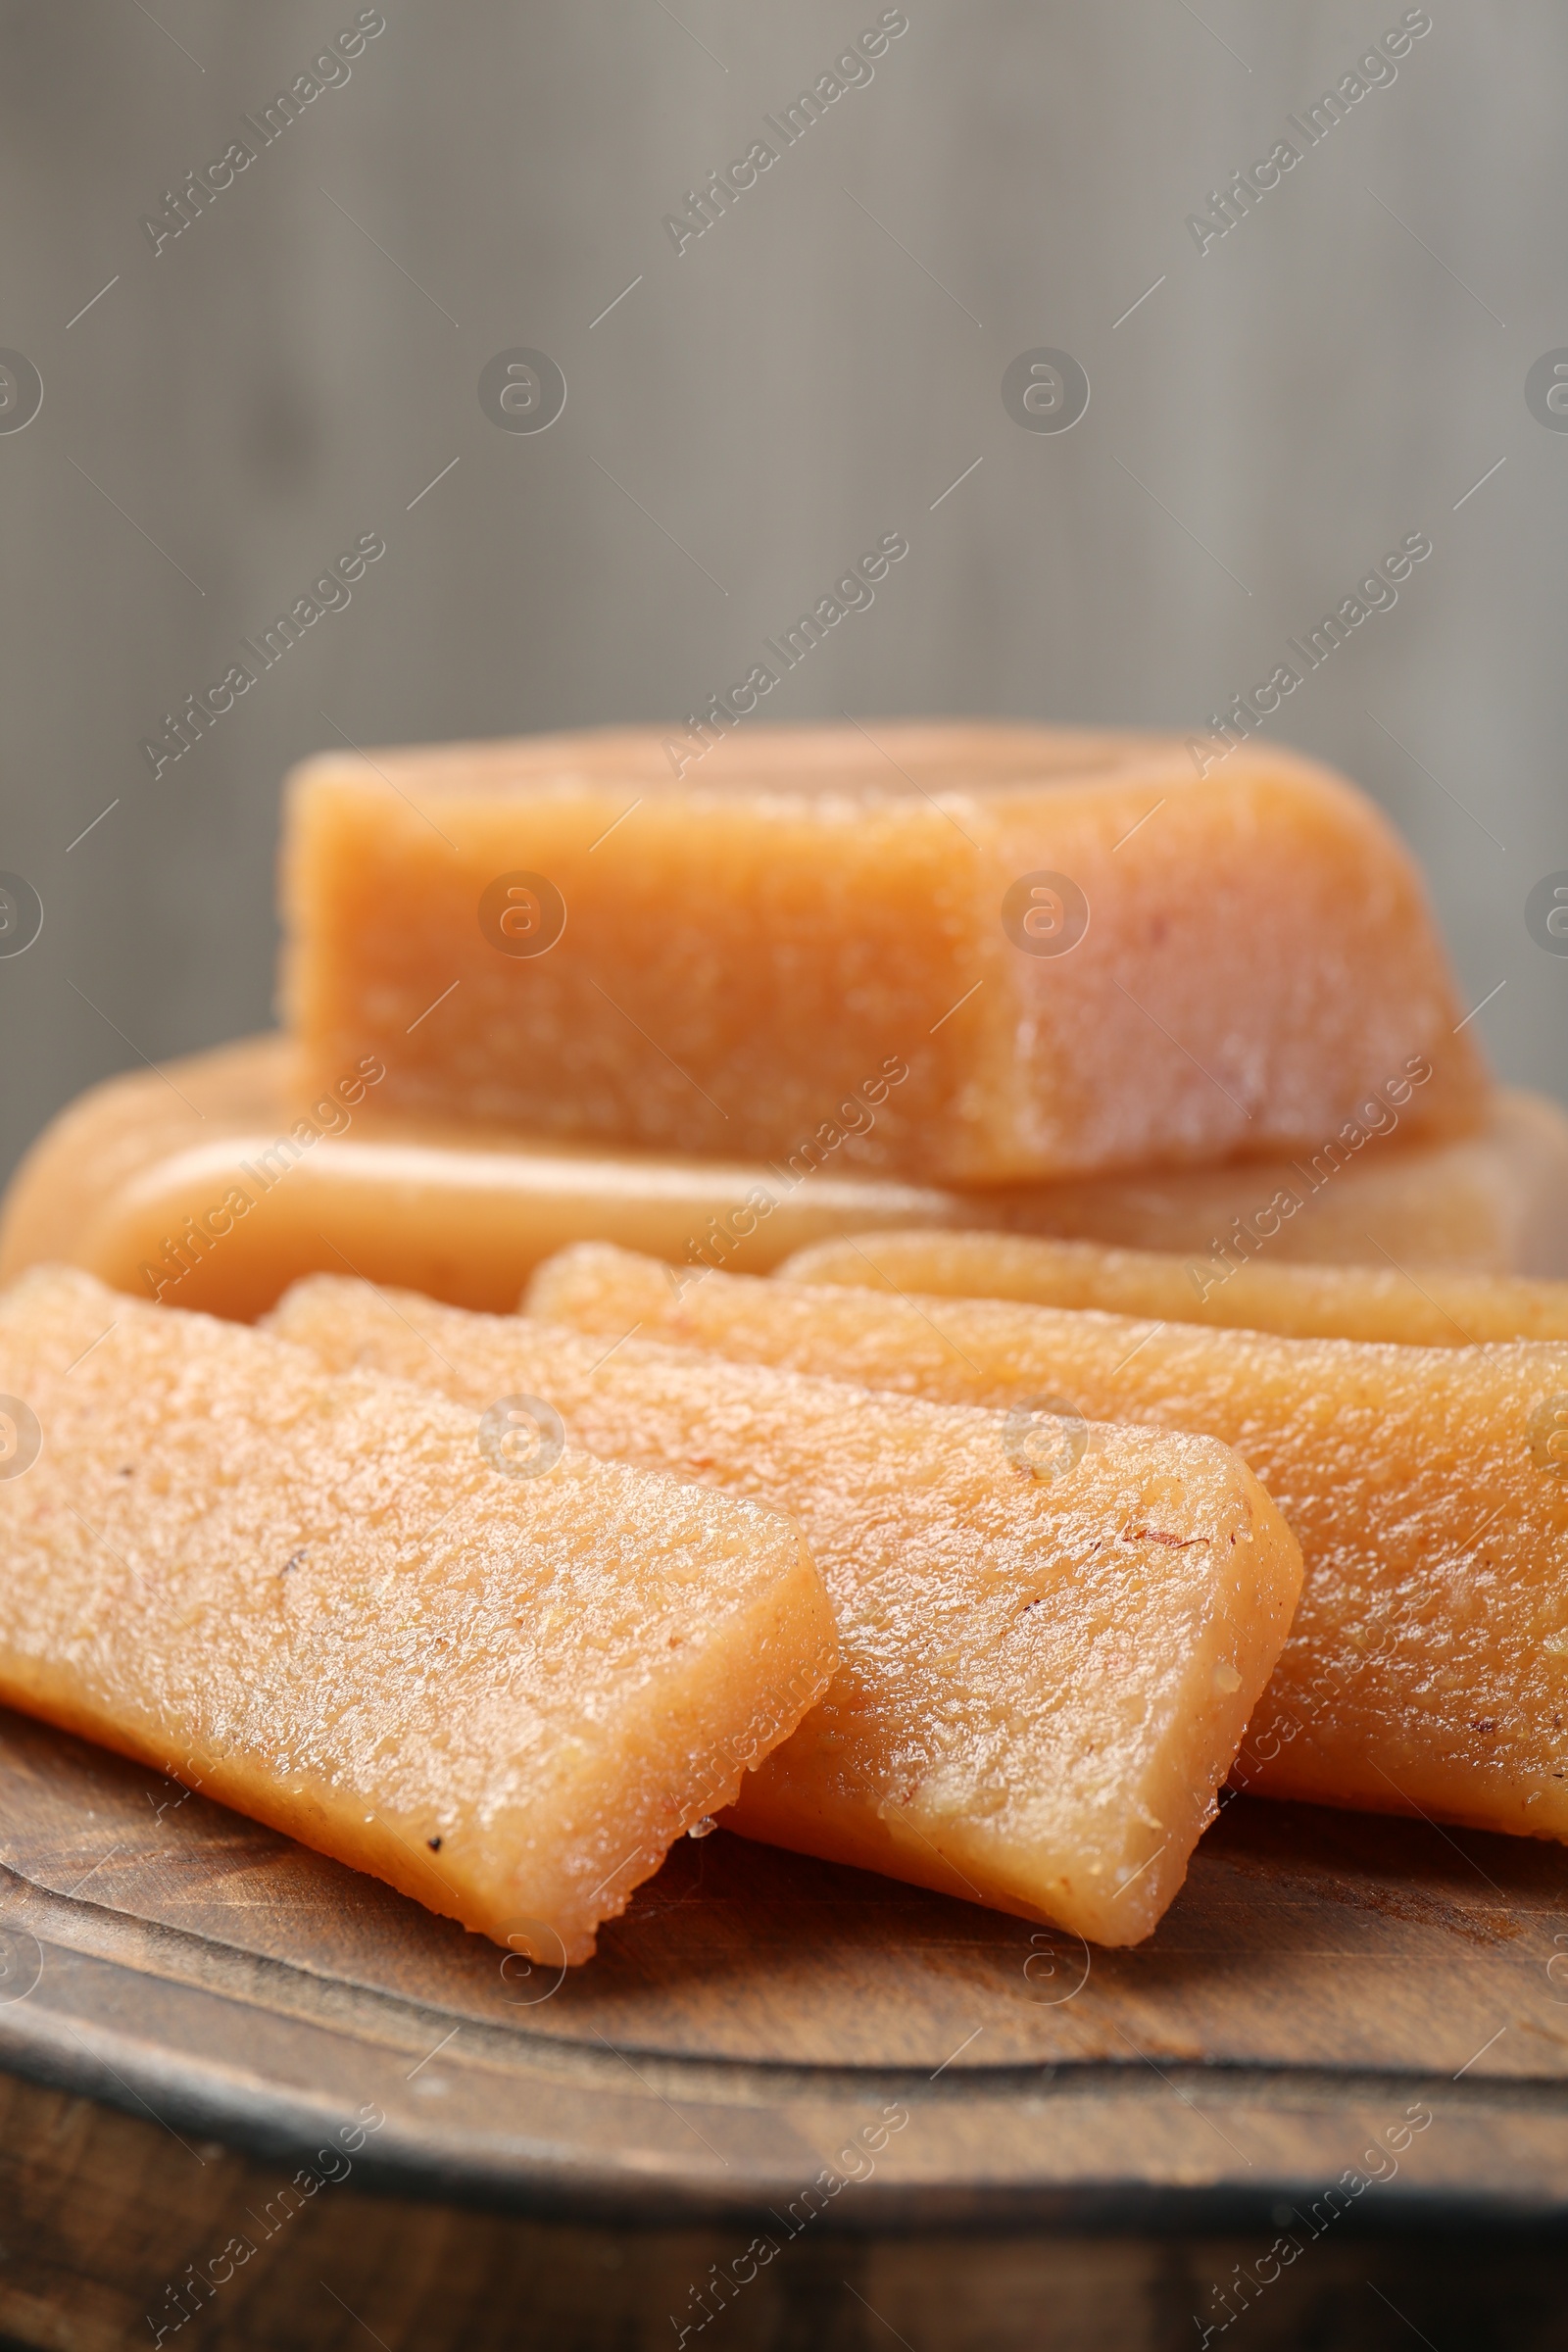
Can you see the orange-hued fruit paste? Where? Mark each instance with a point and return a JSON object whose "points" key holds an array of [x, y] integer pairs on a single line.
{"points": [[321, 1601], [1433, 1309], [218, 1180], [1427, 1667], [1051, 1648], [1081, 954]]}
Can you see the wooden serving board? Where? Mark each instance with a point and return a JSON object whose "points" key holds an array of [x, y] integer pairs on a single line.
{"points": [[751, 2024]]}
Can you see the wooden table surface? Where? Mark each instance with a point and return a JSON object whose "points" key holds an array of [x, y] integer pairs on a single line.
{"points": [[753, 2017]]}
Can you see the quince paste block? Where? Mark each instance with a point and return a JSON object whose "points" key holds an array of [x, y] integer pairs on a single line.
{"points": [[1435, 1309], [216, 1182], [316, 1600], [1045, 1675], [1494, 1201], [1427, 1666], [1039, 956]]}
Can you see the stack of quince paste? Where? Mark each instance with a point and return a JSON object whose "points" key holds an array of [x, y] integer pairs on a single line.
{"points": [[932, 1292]]}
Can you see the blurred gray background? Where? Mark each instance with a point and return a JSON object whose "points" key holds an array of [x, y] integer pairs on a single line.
{"points": [[225, 416]]}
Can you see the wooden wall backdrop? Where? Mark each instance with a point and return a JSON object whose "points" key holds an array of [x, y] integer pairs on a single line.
{"points": [[816, 370]]}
